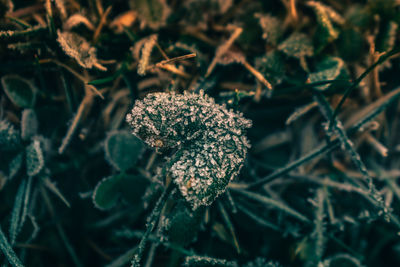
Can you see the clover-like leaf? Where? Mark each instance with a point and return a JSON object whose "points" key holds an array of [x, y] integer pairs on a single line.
{"points": [[29, 124], [297, 45], [79, 49], [210, 139], [106, 193], [122, 150], [19, 90], [34, 158], [181, 223], [330, 68], [326, 17], [272, 66]]}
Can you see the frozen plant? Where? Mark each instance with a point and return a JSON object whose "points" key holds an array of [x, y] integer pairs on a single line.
{"points": [[210, 141]]}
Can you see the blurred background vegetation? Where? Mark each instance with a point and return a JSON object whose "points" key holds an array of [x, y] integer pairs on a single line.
{"points": [[319, 80]]}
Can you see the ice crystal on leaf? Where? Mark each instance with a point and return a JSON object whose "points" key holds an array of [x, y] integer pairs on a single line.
{"points": [[79, 49], [210, 141]]}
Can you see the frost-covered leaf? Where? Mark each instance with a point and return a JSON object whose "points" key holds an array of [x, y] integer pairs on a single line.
{"points": [[15, 165], [203, 261], [142, 51], [153, 13], [122, 150], [20, 91], [54, 189], [34, 158], [16, 212], [79, 49], [29, 124], [272, 66], [261, 262], [330, 68], [351, 44], [10, 138], [210, 139], [326, 16], [8, 252], [297, 45], [271, 26], [107, 192]]}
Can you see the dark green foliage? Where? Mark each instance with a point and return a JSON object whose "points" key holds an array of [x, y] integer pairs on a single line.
{"points": [[182, 224], [329, 68], [107, 191], [297, 45], [313, 86], [20, 91], [122, 150]]}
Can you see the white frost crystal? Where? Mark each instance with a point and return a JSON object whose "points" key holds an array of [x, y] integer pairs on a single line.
{"points": [[210, 139]]}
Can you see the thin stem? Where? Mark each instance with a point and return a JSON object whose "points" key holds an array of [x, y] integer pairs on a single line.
{"points": [[152, 219], [382, 59]]}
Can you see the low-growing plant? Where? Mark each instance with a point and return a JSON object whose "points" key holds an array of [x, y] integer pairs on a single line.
{"points": [[125, 132]]}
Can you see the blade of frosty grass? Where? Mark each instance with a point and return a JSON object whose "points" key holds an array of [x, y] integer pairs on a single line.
{"points": [[359, 79], [151, 222], [8, 251]]}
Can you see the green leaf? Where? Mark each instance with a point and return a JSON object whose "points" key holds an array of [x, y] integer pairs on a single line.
{"points": [[183, 224], [272, 66], [19, 90], [15, 165], [34, 158], [9, 137], [53, 188], [330, 68], [204, 261], [107, 191], [16, 212], [326, 32], [8, 251], [297, 45], [29, 124], [123, 149]]}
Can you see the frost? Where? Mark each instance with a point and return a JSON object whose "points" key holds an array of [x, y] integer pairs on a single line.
{"points": [[79, 49], [211, 142]]}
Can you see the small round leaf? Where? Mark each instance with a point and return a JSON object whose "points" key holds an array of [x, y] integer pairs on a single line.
{"points": [[123, 150], [20, 91], [34, 158], [107, 191]]}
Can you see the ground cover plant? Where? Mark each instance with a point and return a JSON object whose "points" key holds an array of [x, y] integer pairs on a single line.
{"points": [[199, 133]]}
